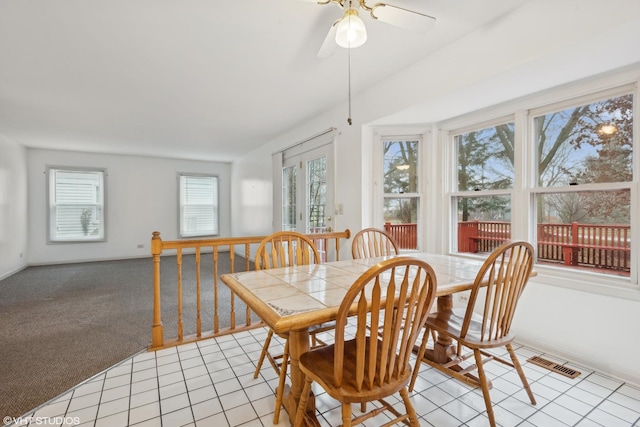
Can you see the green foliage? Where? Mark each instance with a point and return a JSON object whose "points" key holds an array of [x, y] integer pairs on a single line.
{"points": [[85, 220]]}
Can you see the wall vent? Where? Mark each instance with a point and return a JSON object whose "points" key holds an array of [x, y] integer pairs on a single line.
{"points": [[552, 366]]}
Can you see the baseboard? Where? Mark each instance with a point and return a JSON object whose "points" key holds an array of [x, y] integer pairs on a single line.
{"points": [[563, 354], [12, 272], [168, 254], [81, 261]]}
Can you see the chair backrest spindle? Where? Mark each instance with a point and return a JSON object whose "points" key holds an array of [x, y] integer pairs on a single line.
{"points": [[501, 280], [393, 297], [373, 242], [286, 249]]}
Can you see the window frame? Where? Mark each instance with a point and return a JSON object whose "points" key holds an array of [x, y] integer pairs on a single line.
{"points": [[525, 186], [455, 193], [382, 135], [52, 205], [216, 206]]}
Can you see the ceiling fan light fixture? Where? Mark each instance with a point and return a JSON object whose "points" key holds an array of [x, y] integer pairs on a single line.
{"points": [[351, 32]]}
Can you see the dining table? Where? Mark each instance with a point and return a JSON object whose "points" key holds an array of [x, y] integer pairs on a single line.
{"points": [[290, 300]]}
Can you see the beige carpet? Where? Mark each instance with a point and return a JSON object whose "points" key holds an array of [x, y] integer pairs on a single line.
{"points": [[62, 324]]}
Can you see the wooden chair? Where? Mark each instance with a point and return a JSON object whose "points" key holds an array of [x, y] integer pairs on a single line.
{"points": [[370, 366], [486, 322], [373, 242], [283, 249]]}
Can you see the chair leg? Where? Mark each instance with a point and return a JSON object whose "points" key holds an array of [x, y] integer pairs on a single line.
{"points": [[413, 418], [523, 378], [265, 348], [283, 377], [346, 414], [416, 368], [313, 340], [485, 387], [302, 404]]}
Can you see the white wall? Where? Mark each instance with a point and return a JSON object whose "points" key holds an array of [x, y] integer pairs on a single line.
{"points": [[544, 44], [13, 207], [252, 181], [142, 197], [592, 329]]}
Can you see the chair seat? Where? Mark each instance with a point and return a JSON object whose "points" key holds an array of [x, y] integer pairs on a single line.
{"points": [[450, 322], [318, 365]]}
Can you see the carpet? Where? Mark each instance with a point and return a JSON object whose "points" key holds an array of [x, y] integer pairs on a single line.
{"points": [[62, 324]]}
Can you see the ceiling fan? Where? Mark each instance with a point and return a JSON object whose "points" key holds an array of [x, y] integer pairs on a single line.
{"points": [[349, 31]]}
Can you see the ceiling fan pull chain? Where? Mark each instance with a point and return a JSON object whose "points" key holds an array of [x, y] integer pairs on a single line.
{"points": [[349, 118]]}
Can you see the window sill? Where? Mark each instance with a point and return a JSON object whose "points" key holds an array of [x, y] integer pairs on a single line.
{"points": [[64, 242], [584, 281], [602, 284]]}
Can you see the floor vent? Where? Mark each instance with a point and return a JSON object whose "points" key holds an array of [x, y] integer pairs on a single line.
{"points": [[552, 366]]}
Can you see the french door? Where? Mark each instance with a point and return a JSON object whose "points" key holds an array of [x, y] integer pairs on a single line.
{"points": [[307, 191]]}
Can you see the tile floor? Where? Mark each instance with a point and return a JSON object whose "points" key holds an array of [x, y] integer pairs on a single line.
{"points": [[211, 384]]}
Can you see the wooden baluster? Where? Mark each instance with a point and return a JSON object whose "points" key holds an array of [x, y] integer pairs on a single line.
{"points": [[247, 256], [179, 265], [232, 297], [198, 308], [216, 318], [157, 330]]}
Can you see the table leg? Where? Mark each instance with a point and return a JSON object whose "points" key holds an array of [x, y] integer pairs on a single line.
{"points": [[298, 344], [443, 348]]}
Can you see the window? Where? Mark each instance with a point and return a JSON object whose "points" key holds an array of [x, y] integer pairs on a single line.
{"points": [[560, 176], [583, 188], [401, 188], [289, 194], [198, 205], [76, 204], [485, 179]]}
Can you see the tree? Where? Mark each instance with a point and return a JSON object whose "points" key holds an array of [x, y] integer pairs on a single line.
{"points": [[609, 161], [563, 159], [401, 177], [484, 164], [317, 171]]}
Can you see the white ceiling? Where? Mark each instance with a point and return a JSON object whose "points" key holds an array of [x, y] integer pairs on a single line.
{"points": [[193, 78]]}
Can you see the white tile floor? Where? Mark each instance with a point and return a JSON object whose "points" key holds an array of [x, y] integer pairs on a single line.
{"points": [[211, 384]]}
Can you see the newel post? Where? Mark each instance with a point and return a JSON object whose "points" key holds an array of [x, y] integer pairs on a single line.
{"points": [[157, 332]]}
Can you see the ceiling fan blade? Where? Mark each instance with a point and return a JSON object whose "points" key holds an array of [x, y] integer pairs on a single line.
{"points": [[403, 18], [329, 44]]}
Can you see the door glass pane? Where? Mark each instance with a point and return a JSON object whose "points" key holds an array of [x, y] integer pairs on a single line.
{"points": [[485, 158], [400, 167], [289, 198], [316, 195], [585, 230], [587, 144]]}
